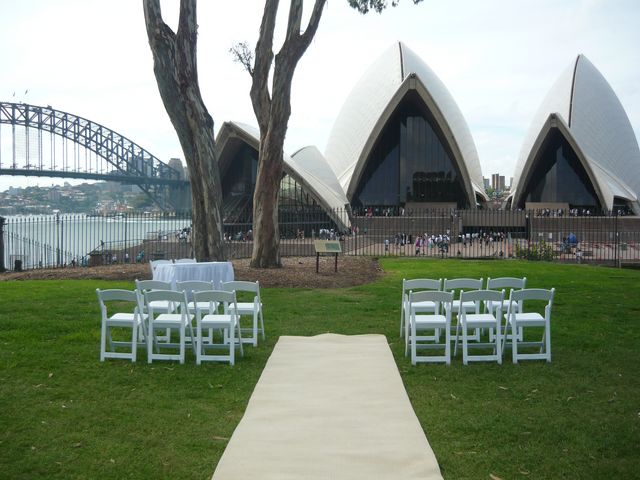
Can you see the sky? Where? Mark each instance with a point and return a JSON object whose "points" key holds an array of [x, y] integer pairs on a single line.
{"points": [[498, 58]]}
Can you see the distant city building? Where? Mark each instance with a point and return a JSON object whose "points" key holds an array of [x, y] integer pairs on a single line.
{"points": [[487, 183], [497, 182], [176, 164], [53, 195]]}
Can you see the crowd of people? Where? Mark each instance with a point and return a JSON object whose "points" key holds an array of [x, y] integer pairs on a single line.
{"points": [[578, 212], [441, 242]]}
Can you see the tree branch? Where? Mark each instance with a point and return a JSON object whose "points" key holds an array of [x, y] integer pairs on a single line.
{"points": [[187, 35], [260, 98], [243, 55], [294, 22], [314, 21], [363, 6]]}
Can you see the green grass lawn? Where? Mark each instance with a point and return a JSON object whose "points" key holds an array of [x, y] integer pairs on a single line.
{"points": [[64, 414]]}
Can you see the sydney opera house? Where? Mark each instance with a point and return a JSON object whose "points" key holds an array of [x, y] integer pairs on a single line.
{"points": [[580, 149], [400, 141]]}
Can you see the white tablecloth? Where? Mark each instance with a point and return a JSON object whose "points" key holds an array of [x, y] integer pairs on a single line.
{"points": [[178, 272]]}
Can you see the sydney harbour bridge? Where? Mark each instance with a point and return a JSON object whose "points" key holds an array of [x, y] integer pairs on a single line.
{"points": [[44, 142]]}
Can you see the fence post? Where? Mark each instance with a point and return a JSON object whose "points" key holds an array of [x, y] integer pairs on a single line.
{"points": [[617, 234], [2, 267]]}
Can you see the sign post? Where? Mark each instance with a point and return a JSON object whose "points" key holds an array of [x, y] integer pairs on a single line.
{"points": [[327, 246]]}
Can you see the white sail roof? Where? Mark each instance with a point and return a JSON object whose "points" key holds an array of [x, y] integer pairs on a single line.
{"points": [[597, 123], [307, 166], [371, 103]]}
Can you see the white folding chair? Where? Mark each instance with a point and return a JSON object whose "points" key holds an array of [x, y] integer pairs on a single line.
{"points": [[180, 321], [132, 317], [218, 314], [253, 308], [191, 286], [415, 284], [507, 284], [528, 317], [143, 286], [154, 263], [490, 318], [457, 286], [434, 321]]}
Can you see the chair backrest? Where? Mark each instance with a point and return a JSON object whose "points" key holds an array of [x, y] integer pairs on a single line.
{"points": [[172, 296], [540, 294], [239, 286], [506, 282], [452, 284], [190, 286], [216, 297], [534, 294], [119, 295], [146, 285], [479, 296], [186, 260], [154, 263], [436, 296], [415, 284]]}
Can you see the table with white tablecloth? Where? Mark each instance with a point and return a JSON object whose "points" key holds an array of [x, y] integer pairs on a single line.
{"points": [[219, 272]]}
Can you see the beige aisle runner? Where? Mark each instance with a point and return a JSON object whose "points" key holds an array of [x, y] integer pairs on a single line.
{"points": [[329, 407]]}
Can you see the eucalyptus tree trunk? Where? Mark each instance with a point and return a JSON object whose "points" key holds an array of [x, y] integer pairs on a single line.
{"points": [[272, 113], [176, 72]]}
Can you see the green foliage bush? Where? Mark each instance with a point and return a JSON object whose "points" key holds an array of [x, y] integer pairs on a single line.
{"points": [[537, 251]]}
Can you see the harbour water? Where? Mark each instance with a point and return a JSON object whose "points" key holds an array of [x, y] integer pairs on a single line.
{"points": [[62, 239]]}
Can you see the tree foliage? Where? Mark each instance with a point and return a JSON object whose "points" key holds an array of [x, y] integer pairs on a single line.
{"points": [[363, 6]]}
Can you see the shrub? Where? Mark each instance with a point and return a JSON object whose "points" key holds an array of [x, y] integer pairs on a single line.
{"points": [[536, 251]]}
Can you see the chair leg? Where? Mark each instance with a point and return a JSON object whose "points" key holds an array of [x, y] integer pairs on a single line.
{"points": [[182, 342], [255, 328], [232, 344], [547, 343], [514, 343], [407, 326], [412, 341], [262, 324], [199, 345], [455, 350], [150, 339], [447, 346], [192, 336], [103, 341], [498, 348], [464, 344], [134, 342]]}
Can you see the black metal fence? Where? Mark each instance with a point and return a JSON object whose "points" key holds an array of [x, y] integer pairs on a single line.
{"points": [[57, 240]]}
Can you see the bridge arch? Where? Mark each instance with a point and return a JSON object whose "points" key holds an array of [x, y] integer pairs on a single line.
{"points": [[124, 161]]}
